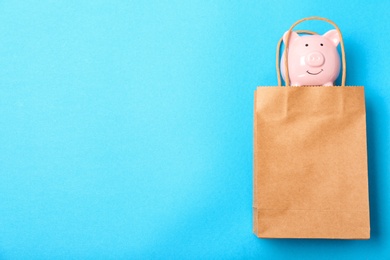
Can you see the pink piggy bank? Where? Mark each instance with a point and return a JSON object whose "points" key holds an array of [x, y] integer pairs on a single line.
{"points": [[312, 60]]}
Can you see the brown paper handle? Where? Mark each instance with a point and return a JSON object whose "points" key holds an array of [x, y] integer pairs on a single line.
{"points": [[278, 54], [287, 76]]}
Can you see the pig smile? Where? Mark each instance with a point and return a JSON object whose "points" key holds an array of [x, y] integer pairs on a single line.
{"points": [[311, 73]]}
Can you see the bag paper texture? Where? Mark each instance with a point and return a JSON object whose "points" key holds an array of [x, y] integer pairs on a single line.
{"points": [[310, 162]]}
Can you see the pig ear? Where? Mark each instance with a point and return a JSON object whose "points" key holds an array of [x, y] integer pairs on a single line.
{"points": [[293, 36], [333, 36]]}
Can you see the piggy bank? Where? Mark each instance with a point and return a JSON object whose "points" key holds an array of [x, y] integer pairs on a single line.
{"points": [[312, 60]]}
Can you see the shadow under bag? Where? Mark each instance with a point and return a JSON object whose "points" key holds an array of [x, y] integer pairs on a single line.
{"points": [[310, 160]]}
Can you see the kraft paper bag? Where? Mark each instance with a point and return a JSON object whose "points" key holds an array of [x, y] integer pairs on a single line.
{"points": [[310, 161]]}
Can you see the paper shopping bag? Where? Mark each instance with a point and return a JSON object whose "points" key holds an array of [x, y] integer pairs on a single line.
{"points": [[310, 161]]}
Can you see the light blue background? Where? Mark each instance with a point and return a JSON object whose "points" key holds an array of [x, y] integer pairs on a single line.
{"points": [[126, 126]]}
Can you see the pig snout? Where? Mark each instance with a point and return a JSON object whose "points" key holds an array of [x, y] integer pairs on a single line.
{"points": [[315, 59]]}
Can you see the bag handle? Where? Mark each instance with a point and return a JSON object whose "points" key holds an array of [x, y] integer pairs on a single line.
{"points": [[344, 74], [278, 53]]}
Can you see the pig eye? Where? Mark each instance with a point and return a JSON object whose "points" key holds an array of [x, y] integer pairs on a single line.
{"points": [[306, 44], [321, 44]]}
